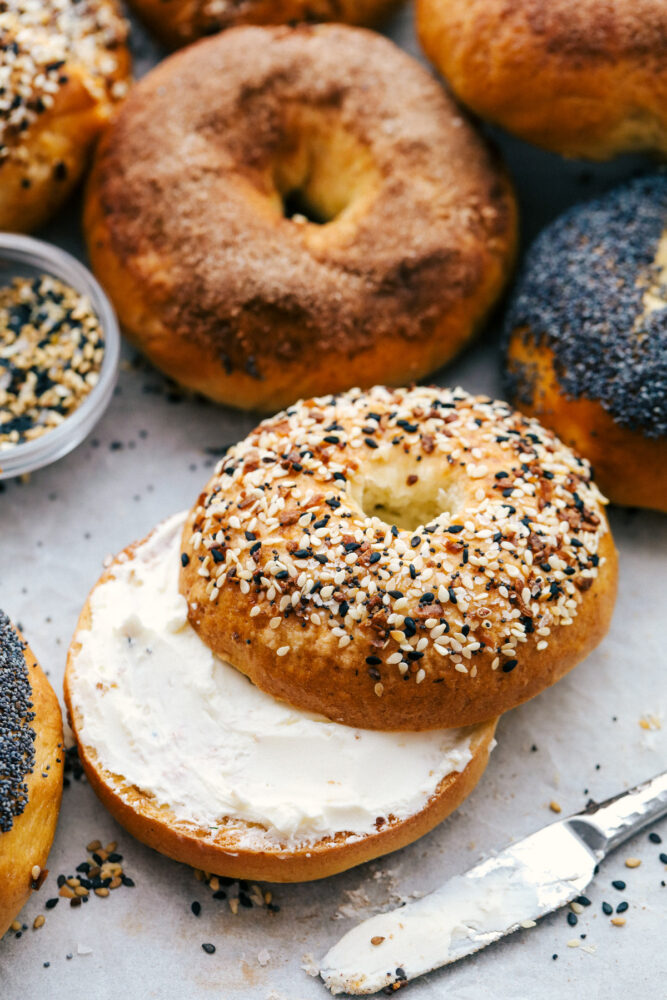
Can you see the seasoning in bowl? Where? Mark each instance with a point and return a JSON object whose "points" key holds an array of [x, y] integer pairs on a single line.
{"points": [[51, 352]]}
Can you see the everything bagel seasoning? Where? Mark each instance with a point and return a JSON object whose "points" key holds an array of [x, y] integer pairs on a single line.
{"points": [[278, 522], [51, 352], [40, 42]]}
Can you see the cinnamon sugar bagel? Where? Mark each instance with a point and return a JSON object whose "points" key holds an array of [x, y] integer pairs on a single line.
{"points": [[180, 22], [201, 765], [586, 338], [400, 559], [585, 79], [63, 65], [188, 203], [31, 771]]}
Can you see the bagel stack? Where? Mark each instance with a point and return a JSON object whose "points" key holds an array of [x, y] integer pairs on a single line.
{"points": [[391, 570], [31, 771]]}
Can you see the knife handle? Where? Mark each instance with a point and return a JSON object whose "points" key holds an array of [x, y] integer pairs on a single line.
{"points": [[610, 823]]}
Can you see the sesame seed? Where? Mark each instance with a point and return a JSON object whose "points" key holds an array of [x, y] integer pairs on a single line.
{"points": [[318, 559], [51, 350]]}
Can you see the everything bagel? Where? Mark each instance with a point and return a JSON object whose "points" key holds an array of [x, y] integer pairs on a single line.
{"points": [[63, 66], [400, 559]]}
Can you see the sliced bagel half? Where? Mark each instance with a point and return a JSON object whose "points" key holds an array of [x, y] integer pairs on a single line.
{"points": [[198, 763]]}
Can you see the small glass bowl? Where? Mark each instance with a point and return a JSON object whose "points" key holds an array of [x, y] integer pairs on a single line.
{"points": [[23, 256]]}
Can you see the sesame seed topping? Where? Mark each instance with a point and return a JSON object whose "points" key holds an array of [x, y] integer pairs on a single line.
{"points": [[286, 524], [44, 44]]}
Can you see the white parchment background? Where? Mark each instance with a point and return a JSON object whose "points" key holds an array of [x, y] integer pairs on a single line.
{"points": [[55, 531]]}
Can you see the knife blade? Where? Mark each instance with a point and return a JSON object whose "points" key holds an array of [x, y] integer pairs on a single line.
{"points": [[513, 889]]}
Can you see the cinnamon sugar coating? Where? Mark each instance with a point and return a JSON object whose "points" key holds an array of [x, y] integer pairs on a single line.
{"points": [[187, 230]]}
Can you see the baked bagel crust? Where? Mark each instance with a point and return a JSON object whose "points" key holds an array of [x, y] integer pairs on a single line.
{"points": [[586, 338], [497, 576], [180, 22], [585, 80], [225, 850], [63, 65], [28, 841], [186, 229]]}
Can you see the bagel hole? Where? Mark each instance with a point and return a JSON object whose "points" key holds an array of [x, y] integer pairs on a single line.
{"points": [[320, 169], [390, 498], [296, 206]]}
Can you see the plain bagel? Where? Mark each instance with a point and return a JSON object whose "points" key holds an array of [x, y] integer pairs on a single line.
{"points": [[180, 22], [188, 203], [585, 79], [202, 766], [400, 559], [31, 771]]}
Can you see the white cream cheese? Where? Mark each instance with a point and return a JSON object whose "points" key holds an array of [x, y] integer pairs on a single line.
{"points": [[162, 710]]}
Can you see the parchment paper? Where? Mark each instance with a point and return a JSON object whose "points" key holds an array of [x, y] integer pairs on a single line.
{"points": [[150, 457]]}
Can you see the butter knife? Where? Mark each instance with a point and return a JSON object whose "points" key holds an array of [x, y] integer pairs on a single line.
{"points": [[510, 890]]}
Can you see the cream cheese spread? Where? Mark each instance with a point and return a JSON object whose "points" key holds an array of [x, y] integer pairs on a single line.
{"points": [[160, 709]]}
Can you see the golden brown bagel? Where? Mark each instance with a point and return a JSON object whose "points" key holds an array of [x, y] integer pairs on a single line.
{"points": [[586, 348], [30, 790], [63, 65], [585, 79], [180, 22], [227, 849], [186, 228], [497, 577]]}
